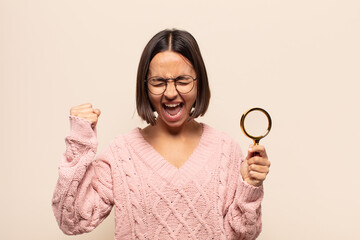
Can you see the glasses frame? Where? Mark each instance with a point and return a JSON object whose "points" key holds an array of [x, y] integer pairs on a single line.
{"points": [[166, 84]]}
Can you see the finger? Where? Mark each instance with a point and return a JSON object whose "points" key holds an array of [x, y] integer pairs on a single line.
{"points": [[74, 110], [255, 183], [77, 112], [91, 117], [259, 168], [258, 161], [256, 150], [257, 176], [85, 110], [97, 112], [85, 105]]}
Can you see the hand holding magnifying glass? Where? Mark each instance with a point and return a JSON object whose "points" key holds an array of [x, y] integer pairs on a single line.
{"points": [[256, 165]]}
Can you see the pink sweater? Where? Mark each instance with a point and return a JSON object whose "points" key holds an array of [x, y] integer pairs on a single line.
{"points": [[205, 199]]}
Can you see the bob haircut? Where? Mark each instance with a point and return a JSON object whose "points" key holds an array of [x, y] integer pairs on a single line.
{"points": [[185, 44]]}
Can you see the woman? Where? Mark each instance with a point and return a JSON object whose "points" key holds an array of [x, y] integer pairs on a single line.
{"points": [[174, 179]]}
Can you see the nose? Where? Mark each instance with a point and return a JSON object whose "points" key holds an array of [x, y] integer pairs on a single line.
{"points": [[170, 91]]}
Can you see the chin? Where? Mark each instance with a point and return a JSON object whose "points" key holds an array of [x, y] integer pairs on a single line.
{"points": [[174, 121]]}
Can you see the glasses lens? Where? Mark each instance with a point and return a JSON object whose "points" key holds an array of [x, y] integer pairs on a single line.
{"points": [[157, 85], [184, 84]]}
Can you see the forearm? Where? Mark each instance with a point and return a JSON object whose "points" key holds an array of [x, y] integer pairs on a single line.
{"points": [[66, 201], [80, 201], [243, 218]]}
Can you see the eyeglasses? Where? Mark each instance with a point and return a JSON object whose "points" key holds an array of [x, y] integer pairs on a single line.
{"points": [[183, 84]]}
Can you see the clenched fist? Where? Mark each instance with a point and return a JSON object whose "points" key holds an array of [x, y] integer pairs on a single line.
{"points": [[86, 111], [256, 166]]}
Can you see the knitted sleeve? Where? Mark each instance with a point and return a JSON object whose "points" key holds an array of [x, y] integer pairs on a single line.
{"points": [[243, 211], [83, 195]]}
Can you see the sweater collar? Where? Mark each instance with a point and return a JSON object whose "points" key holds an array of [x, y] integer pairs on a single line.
{"points": [[173, 175]]}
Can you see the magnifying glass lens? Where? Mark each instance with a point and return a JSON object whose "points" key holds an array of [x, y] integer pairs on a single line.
{"points": [[256, 123]]}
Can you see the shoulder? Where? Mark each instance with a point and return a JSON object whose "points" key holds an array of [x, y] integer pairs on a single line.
{"points": [[120, 147], [125, 139], [225, 145], [224, 139], [229, 152]]}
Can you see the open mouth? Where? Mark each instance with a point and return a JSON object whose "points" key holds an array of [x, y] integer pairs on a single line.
{"points": [[173, 110]]}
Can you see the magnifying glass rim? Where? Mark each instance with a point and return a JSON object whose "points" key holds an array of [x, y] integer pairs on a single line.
{"points": [[243, 120]]}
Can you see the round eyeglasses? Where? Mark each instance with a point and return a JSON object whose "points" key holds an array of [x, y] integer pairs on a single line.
{"points": [[183, 84]]}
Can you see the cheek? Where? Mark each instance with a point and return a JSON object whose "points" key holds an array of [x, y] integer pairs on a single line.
{"points": [[154, 101], [190, 100]]}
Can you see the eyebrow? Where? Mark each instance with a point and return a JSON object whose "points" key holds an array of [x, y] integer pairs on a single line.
{"points": [[170, 77]]}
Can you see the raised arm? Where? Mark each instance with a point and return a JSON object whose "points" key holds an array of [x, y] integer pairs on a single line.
{"points": [[83, 195], [243, 212]]}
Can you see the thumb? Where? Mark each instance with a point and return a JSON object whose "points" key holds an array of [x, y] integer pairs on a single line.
{"points": [[97, 112], [249, 153]]}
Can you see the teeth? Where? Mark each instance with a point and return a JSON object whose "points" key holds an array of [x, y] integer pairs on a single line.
{"points": [[172, 105], [177, 114]]}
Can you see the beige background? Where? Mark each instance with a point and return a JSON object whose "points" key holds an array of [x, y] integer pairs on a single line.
{"points": [[297, 59]]}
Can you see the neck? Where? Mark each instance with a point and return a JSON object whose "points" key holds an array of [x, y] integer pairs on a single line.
{"points": [[183, 131]]}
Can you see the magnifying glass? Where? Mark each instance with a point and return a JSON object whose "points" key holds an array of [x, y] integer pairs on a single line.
{"points": [[256, 124]]}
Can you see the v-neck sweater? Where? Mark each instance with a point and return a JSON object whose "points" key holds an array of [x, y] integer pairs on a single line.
{"points": [[206, 198]]}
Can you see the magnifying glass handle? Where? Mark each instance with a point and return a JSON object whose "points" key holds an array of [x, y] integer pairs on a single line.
{"points": [[256, 142]]}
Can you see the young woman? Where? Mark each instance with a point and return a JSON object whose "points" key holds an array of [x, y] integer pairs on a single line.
{"points": [[174, 179]]}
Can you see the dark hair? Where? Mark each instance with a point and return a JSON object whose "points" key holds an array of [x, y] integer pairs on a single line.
{"points": [[185, 44]]}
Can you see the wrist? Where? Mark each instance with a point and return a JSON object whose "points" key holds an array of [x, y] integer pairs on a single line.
{"points": [[80, 129]]}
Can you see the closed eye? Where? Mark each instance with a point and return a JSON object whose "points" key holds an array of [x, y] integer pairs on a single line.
{"points": [[182, 83], [183, 80], [157, 82]]}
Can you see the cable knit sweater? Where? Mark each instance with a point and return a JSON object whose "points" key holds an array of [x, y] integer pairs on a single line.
{"points": [[204, 199]]}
